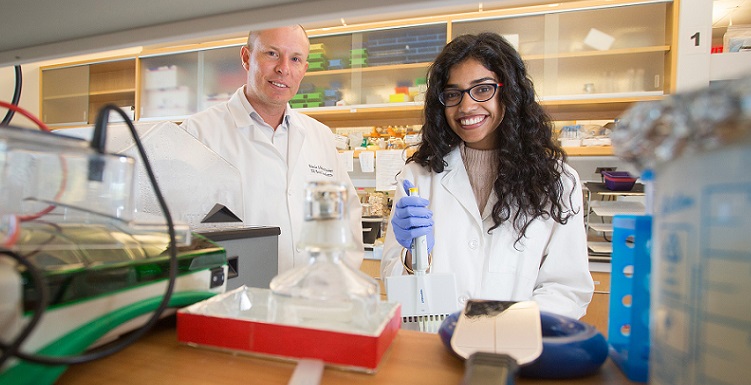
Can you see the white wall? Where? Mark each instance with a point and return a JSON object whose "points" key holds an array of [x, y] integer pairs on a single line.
{"points": [[29, 92]]}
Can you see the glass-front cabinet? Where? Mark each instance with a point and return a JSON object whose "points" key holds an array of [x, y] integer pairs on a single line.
{"points": [[169, 85], [179, 84], [73, 94], [65, 95], [223, 74]]}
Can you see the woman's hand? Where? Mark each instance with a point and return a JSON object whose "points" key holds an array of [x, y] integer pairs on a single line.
{"points": [[412, 218]]}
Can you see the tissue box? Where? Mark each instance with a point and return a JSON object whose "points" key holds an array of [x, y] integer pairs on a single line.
{"points": [[210, 324]]}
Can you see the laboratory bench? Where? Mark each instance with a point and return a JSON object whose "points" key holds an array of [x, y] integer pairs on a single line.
{"points": [[158, 358]]}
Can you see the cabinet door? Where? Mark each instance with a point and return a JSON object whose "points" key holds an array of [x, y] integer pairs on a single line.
{"points": [[114, 83], [370, 68], [169, 85], [525, 33], [585, 54], [617, 51], [222, 75], [65, 95]]}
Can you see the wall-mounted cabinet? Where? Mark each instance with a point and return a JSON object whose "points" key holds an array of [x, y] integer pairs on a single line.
{"points": [[73, 94], [589, 60]]}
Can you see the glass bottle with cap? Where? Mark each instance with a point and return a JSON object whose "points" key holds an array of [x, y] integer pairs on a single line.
{"points": [[326, 293]]}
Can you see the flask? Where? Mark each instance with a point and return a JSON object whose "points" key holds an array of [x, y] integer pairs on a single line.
{"points": [[326, 293]]}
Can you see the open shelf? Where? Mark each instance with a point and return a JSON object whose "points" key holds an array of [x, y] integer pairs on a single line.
{"points": [[102, 96], [601, 227]]}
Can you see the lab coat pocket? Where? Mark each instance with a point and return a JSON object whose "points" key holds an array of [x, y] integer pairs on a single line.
{"points": [[507, 286], [502, 258], [497, 285]]}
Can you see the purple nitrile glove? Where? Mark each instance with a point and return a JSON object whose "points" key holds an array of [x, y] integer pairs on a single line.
{"points": [[412, 218]]}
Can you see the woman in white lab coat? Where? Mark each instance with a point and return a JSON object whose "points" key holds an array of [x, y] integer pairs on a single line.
{"points": [[501, 209]]}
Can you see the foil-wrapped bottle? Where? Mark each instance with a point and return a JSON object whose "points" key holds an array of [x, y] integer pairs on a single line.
{"points": [[326, 293]]}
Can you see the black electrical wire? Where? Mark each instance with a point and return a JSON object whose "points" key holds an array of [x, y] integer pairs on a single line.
{"points": [[99, 137], [16, 96], [106, 350]]}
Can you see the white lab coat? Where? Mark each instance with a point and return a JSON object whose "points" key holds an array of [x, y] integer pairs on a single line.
{"points": [[273, 189], [550, 267]]}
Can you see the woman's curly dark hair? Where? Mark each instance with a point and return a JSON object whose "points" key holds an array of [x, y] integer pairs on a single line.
{"points": [[528, 183]]}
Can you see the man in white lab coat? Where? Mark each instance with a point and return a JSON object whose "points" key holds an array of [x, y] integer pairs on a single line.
{"points": [[276, 149]]}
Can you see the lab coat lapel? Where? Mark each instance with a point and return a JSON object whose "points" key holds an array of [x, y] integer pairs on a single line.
{"points": [[488, 210], [456, 181], [238, 108]]}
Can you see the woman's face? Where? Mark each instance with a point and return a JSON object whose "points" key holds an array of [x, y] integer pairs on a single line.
{"points": [[476, 123]]}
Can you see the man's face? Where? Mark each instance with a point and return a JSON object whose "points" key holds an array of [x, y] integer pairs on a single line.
{"points": [[276, 63]]}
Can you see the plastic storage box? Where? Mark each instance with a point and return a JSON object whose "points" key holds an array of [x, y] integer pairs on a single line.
{"points": [[236, 322], [618, 180], [628, 325]]}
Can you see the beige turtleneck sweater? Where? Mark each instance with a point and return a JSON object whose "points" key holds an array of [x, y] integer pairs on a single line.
{"points": [[481, 171]]}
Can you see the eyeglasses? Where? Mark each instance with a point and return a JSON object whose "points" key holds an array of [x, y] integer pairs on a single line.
{"points": [[479, 93]]}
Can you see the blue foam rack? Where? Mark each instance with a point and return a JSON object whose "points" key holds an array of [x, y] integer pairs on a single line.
{"points": [[628, 322]]}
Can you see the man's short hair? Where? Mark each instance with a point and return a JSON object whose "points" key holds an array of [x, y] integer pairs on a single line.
{"points": [[252, 35]]}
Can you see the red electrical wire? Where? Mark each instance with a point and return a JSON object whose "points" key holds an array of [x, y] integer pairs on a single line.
{"points": [[25, 113]]}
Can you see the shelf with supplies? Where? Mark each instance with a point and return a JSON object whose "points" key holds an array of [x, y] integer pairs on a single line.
{"points": [[602, 205]]}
